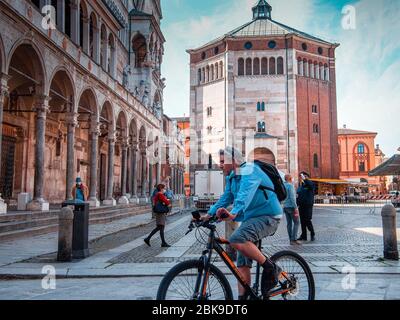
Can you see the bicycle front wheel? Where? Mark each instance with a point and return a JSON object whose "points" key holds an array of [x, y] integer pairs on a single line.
{"points": [[299, 276], [180, 283]]}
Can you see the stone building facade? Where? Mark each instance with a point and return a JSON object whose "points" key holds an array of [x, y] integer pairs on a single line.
{"points": [[184, 126], [269, 88], [358, 155], [81, 95]]}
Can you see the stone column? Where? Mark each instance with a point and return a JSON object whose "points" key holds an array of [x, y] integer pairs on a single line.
{"points": [[41, 107], [110, 201], [71, 120], [143, 197], [151, 184], [124, 169], [134, 197], [3, 95], [94, 146]]}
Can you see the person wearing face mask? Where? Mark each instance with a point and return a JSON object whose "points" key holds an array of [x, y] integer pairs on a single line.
{"points": [[80, 191]]}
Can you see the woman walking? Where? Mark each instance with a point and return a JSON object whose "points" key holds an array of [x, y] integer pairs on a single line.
{"points": [[160, 208]]}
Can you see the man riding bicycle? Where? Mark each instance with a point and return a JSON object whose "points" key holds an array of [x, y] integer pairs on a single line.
{"points": [[259, 214]]}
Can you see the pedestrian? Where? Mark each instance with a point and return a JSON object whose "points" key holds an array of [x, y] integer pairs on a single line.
{"points": [[305, 202], [291, 210], [80, 191], [160, 208]]}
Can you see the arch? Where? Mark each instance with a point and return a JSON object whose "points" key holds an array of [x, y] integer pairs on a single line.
{"points": [[103, 47], [122, 124], [361, 146], [88, 102], [139, 47], [264, 153], [2, 56], [62, 91], [33, 67], [241, 67], [93, 36], [272, 66], [111, 54], [256, 66], [133, 131], [142, 137], [264, 66], [249, 67], [279, 63]]}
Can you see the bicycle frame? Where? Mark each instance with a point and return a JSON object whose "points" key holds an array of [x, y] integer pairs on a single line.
{"points": [[214, 243]]}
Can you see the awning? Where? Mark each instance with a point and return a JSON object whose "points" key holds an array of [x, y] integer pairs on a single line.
{"points": [[331, 181], [389, 168]]}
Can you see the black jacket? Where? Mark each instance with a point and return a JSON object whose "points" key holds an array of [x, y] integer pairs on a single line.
{"points": [[305, 193]]}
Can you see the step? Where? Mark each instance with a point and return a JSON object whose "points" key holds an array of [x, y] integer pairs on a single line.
{"points": [[11, 235], [19, 225]]}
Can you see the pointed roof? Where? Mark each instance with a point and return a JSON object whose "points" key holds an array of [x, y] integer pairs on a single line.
{"points": [[262, 10], [263, 25]]}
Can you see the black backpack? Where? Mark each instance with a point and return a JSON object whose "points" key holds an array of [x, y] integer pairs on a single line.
{"points": [[273, 173]]}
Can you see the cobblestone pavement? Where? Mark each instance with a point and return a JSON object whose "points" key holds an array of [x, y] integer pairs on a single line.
{"points": [[344, 236], [328, 287]]}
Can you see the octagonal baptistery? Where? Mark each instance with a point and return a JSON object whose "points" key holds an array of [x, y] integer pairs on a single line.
{"points": [[266, 86]]}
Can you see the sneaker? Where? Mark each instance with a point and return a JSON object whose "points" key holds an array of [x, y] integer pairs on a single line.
{"points": [[301, 239], [295, 243], [270, 279], [313, 238], [147, 241], [165, 245]]}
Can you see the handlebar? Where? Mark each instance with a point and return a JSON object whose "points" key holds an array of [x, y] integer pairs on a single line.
{"points": [[198, 223]]}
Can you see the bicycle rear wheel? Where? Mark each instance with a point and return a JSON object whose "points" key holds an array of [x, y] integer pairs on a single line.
{"points": [[180, 282], [296, 269]]}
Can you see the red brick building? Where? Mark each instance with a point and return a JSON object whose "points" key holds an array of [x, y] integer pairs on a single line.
{"points": [[269, 87]]}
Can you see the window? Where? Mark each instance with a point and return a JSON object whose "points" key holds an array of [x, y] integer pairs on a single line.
{"points": [[216, 50], [304, 46], [203, 55], [241, 67], [209, 111], [261, 127], [272, 67], [216, 71], [221, 70], [315, 128], [248, 45], [209, 130], [361, 149], [272, 44], [249, 67], [256, 66], [260, 106], [212, 73], [140, 49], [280, 65], [199, 76], [361, 166], [311, 66], [300, 70], [320, 50], [305, 68], [316, 162], [264, 66], [314, 109]]}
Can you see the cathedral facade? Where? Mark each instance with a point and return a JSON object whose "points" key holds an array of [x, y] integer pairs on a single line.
{"points": [[265, 87], [81, 96]]}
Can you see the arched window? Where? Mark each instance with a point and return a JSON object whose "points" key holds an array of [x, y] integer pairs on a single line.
{"points": [[221, 70], [321, 72], [241, 67], [258, 106], [208, 74], [311, 66], [212, 73], [315, 128], [263, 106], [264, 66], [81, 25], [103, 51], [203, 75], [317, 75], [314, 109], [111, 55], [261, 128], [93, 40], [326, 69], [139, 47], [361, 148], [280, 65], [305, 67], [316, 162], [256, 66], [272, 67], [68, 18], [199, 76], [249, 67], [216, 71], [300, 70]]}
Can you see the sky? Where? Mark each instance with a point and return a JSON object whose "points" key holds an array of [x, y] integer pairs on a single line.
{"points": [[368, 59]]}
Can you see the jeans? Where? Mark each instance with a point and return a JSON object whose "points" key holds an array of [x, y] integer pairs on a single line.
{"points": [[306, 213], [293, 223]]}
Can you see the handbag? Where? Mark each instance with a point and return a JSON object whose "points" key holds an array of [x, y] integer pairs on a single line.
{"points": [[161, 208]]}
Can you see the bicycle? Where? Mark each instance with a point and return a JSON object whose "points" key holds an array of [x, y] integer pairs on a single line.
{"points": [[202, 280]]}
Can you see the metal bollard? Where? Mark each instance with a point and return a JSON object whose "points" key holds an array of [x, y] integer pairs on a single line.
{"points": [[389, 233], [65, 230]]}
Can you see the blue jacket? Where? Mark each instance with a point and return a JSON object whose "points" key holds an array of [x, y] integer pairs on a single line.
{"points": [[290, 201], [248, 200]]}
